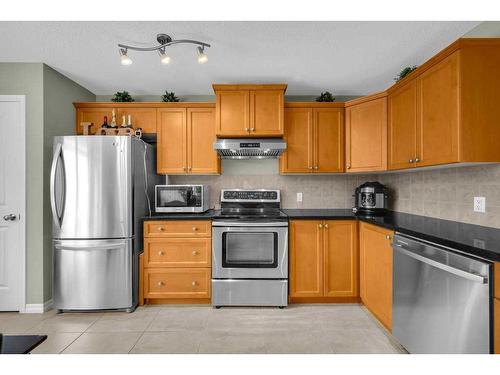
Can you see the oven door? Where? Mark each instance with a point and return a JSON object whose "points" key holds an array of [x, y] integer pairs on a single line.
{"points": [[250, 251]]}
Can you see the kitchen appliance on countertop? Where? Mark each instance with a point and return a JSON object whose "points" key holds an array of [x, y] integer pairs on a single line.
{"points": [[442, 300], [250, 249], [247, 148], [181, 198], [370, 198], [100, 188]]}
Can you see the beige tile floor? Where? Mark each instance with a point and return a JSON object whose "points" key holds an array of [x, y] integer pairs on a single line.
{"points": [[202, 329]]}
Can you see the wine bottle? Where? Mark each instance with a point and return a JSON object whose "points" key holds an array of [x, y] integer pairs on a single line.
{"points": [[105, 123]]}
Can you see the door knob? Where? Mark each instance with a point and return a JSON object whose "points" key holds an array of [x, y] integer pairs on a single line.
{"points": [[10, 217]]}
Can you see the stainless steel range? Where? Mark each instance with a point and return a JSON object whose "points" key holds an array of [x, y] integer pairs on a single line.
{"points": [[250, 250]]}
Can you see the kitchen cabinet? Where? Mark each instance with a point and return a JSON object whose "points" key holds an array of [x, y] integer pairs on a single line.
{"points": [[93, 115], [176, 262], [496, 325], [402, 127], [185, 141], [144, 118], [376, 271], [249, 110], [323, 260], [366, 134], [315, 139]]}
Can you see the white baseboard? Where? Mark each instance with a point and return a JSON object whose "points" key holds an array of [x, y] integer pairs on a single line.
{"points": [[38, 308]]}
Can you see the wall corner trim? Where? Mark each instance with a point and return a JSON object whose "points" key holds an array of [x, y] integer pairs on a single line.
{"points": [[38, 308]]}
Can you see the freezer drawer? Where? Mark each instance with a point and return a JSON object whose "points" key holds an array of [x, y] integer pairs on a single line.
{"points": [[93, 274]]}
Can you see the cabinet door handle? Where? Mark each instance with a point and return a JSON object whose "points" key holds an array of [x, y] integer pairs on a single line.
{"points": [[161, 283], [161, 252], [195, 252]]}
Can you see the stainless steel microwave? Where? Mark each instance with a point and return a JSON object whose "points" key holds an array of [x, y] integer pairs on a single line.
{"points": [[181, 198]]}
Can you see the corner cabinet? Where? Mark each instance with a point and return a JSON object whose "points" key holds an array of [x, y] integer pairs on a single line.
{"points": [[376, 271], [249, 110], [366, 134], [314, 134], [185, 141], [323, 261]]}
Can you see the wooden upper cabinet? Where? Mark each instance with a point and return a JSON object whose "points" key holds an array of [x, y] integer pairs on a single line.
{"points": [[328, 140], [233, 113], [202, 158], [402, 127], [144, 118], [249, 110], [172, 141], [298, 156], [185, 141], [341, 261], [376, 271], [266, 112], [438, 113], [93, 115], [315, 139], [366, 135], [306, 258]]}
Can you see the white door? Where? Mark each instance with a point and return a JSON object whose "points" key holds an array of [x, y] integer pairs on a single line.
{"points": [[12, 202]]}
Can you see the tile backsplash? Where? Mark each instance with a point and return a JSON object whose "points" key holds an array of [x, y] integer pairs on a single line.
{"points": [[445, 193]]}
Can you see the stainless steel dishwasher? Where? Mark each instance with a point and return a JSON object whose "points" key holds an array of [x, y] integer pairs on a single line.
{"points": [[441, 299]]}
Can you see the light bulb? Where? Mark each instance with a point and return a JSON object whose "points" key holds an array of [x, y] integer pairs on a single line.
{"points": [[202, 57], [125, 60], [164, 58]]}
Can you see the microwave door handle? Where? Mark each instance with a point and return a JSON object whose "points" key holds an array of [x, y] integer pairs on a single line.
{"points": [[55, 160]]}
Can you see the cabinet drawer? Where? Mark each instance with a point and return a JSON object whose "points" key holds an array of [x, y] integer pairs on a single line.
{"points": [[177, 283], [178, 228], [177, 252]]}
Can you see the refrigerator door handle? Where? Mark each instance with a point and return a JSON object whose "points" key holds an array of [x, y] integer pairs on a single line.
{"points": [[55, 160]]}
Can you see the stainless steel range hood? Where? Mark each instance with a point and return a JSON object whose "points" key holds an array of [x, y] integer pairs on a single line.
{"points": [[248, 148]]}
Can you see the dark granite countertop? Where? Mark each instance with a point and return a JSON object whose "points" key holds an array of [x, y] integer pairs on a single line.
{"points": [[207, 215], [471, 239]]}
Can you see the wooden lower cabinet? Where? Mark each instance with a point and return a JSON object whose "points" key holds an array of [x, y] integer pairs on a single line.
{"points": [[323, 261], [176, 262], [376, 271], [496, 329]]}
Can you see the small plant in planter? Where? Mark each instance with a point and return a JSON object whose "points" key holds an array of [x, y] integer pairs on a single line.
{"points": [[325, 97], [403, 73], [169, 97], [122, 97]]}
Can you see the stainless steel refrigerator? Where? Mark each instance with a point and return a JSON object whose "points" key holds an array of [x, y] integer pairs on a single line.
{"points": [[100, 188]]}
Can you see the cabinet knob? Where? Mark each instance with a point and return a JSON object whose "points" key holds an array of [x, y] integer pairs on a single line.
{"points": [[417, 160], [310, 167], [348, 166], [161, 252], [195, 252], [184, 168], [161, 283], [316, 167], [326, 225], [411, 161], [189, 168], [320, 225], [387, 237], [252, 129], [161, 229], [195, 229], [194, 283], [247, 130]]}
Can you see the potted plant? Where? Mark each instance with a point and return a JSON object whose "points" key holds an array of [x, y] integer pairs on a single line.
{"points": [[122, 97], [403, 73], [325, 97], [169, 97]]}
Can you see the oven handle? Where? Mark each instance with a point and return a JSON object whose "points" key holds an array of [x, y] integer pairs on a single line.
{"points": [[249, 224]]}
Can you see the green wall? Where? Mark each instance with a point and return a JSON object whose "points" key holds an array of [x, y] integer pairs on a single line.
{"points": [[49, 112]]}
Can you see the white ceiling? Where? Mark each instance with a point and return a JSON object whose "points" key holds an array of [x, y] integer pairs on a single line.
{"points": [[347, 58]]}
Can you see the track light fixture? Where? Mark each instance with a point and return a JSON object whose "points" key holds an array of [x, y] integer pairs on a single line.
{"points": [[165, 41]]}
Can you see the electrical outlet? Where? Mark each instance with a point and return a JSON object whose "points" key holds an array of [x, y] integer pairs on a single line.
{"points": [[479, 243], [479, 204], [299, 197]]}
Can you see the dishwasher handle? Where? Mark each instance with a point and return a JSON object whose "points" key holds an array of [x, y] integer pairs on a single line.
{"points": [[441, 266]]}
